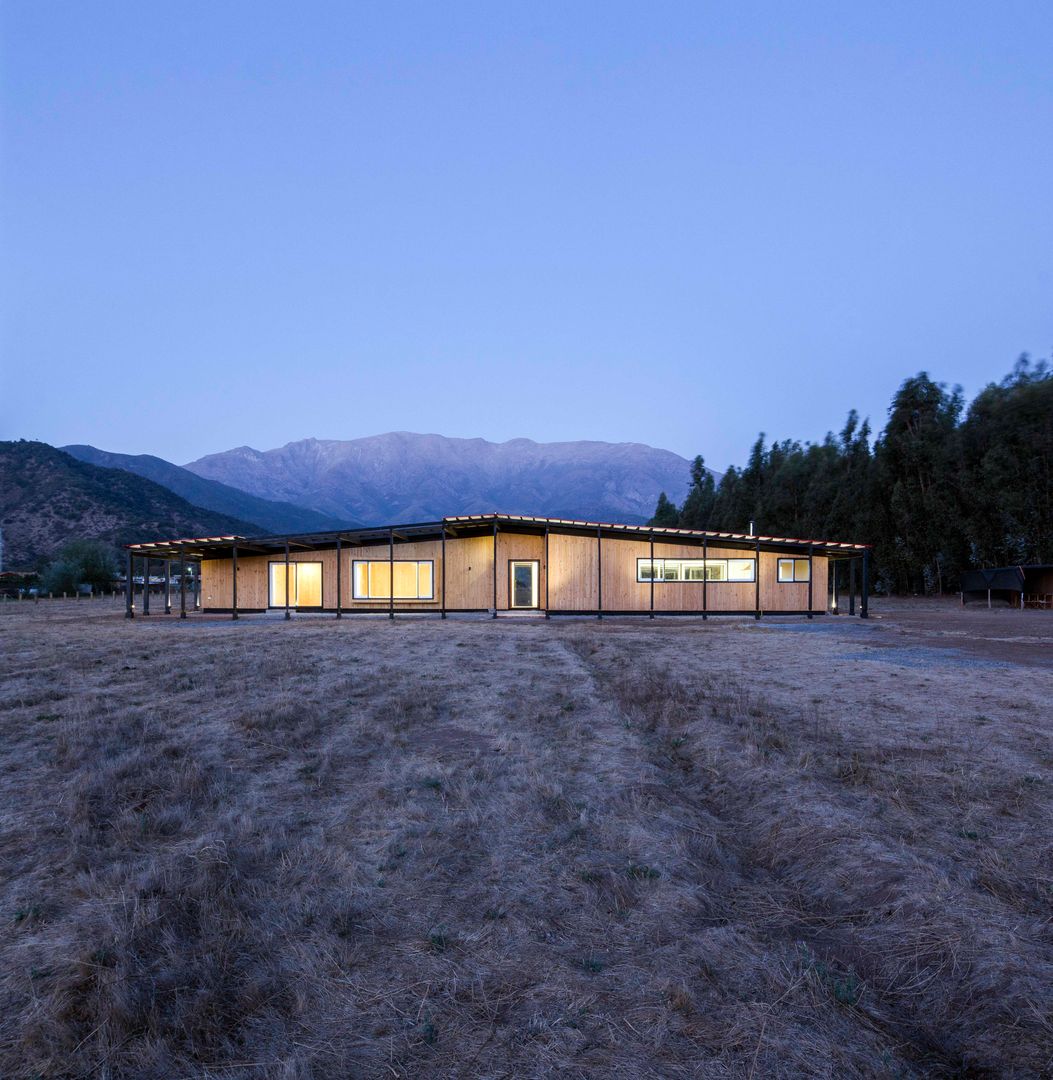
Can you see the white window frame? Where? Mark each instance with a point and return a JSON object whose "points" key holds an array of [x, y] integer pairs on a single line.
{"points": [[662, 568], [793, 579], [370, 563]]}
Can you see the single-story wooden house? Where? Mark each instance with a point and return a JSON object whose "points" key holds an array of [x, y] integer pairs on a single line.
{"points": [[1018, 586], [503, 563]]}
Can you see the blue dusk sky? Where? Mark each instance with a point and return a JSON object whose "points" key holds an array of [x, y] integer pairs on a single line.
{"points": [[679, 224]]}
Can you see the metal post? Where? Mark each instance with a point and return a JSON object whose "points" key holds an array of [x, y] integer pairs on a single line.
{"points": [[197, 588], [705, 577], [182, 582], [547, 572], [287, 615], [146, 586], [756, 582], [391, 573], [810, 547], [339, 580], [443, 527], [864, 598], [129, 589], [234, 582], [652, 576], [599, 574], [852, 586], [833, 583], [495, 568], [168, 586]]}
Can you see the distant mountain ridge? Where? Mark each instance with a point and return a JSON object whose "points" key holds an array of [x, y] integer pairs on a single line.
{"points": [[48, 497], [403, 476], [269, 516]]}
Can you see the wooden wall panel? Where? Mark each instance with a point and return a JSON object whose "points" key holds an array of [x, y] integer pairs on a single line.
{"points": [[469, 572], [573, 584], [515, 546], [572, 576]]}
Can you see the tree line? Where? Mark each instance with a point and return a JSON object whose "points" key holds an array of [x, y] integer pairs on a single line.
{"points": [[941, 489]]}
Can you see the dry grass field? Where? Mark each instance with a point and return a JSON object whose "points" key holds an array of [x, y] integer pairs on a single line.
{"points": [[526, 849]]}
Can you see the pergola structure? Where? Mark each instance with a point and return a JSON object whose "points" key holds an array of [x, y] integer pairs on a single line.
{"points": [[195, 550]]}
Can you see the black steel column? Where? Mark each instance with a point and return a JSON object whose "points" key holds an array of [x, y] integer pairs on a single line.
{"points": [[197, 588], [443, 527], [168, 586], [833, 583], [705, 577], [339, 580], [547, 572], [495, 568], [599, 574], [146, 586], [391, 573], [852, 586], [756, 580], [863, 605], [182, 582], [234, 581], [810, 547], [287, 615], [129, 586], [652, 575]]}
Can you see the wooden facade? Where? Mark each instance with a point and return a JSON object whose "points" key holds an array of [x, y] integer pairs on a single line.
{"points": [[466, 564]]}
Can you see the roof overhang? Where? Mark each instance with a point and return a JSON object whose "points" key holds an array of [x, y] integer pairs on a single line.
{"points": [[224, 547]]}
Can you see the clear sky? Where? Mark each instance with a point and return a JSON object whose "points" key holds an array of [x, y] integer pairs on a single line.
{"points": [[680, 224]]}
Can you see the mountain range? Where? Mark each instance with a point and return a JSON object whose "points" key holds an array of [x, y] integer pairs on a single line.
{"points": [[48, 497], [266, 514], [402, 476]]}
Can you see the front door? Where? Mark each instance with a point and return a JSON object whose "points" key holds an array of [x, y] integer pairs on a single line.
{"points": [[523, 583]]}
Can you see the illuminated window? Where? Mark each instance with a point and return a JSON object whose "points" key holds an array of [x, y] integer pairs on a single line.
{"points": [[695, 569], [414, 580], [793, 570], [305, 584]]}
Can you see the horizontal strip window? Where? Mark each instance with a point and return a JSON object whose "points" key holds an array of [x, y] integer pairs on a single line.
{"points": [[793, 570], [696, 569], [414, 579]]}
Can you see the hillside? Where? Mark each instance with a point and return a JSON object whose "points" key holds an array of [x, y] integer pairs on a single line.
{"points": [[270, 516], [48, 497], [402, 476]]}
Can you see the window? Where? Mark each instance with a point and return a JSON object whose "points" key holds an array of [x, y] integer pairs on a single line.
{"points": [[695, 569], [414, 580], [793, 570], [305, 584]]}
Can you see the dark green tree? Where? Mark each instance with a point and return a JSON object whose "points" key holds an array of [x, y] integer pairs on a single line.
{"points": [[80, 562], [665, 513], [697, 510]]}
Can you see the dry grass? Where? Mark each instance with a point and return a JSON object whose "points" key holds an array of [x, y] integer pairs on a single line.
{"points": [[520, 849]]}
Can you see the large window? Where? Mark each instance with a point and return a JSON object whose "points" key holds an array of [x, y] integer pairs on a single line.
{"points": [[793, 570], [414, 579], [695, 569], [305, 584]]}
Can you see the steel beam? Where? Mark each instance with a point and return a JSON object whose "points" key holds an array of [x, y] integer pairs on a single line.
{"points": [[182, 582], [339, 580], [391, 573], [129, 588], [234, 581], [495, 568], [599, 573], [865, 596], [287, 613], [443, 570]]}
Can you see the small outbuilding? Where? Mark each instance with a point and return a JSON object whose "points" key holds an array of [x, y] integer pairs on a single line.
{"points": [[1018, 586]]}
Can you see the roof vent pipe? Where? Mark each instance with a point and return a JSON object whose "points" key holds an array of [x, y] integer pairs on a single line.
{"points": [[751, 528]]}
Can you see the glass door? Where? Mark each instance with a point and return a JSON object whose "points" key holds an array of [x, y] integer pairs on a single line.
{"points": [[523, 583]]}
